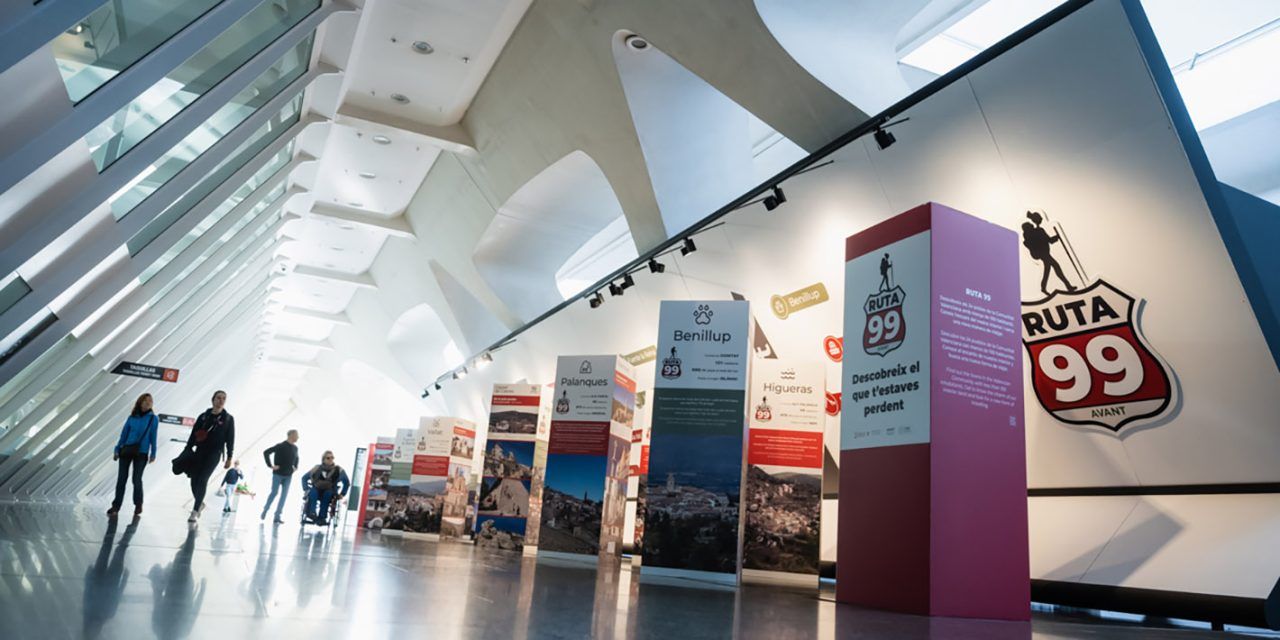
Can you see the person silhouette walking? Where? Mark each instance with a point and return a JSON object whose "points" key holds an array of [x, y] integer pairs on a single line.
{"points": [[885, 266], [1040, 245]]}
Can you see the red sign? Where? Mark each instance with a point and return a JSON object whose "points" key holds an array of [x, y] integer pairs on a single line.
{"points": [[431, 465], [834, 347], [464, 432], [624, 382], [785, 448], [833, 403], [579, 437], [516, 401]]}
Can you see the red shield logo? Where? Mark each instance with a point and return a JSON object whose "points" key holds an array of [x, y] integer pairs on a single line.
{"points": [[1090, 363], [886, 326], [833, 403], [834, 347]]}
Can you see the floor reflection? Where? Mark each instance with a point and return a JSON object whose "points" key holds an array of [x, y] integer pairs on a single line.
{"points": [[105, 580], [178, 594], [231, 579]]}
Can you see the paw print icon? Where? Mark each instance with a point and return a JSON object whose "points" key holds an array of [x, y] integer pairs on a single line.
{"points": [[702, 315]]}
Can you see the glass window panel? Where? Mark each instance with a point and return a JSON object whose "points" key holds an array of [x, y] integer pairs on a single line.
{"points": [[292, 65], [12, 288], [117, 34], [157, 105], [274, 165], [264, 136]]}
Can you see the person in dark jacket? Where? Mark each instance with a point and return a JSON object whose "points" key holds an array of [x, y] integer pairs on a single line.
{"points": [[321, 484], [230, 479], [214, 433], [135, 448], [285, 461]]}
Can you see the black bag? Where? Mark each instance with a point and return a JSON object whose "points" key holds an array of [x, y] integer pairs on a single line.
{"points": [[135, 450], [182, 463]]}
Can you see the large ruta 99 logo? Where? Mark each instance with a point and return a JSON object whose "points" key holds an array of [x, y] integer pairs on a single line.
{"points": [[1090, 363]]}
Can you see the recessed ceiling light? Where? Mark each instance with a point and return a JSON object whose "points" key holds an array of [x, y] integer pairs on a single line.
{"points": [[400, 97], [356, 204], [381, 139], [636, 43], [368, 175], [423, 47], [337, 248]]}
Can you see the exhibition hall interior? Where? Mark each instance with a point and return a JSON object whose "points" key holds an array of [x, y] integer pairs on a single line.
{"points": [[526, 319]]}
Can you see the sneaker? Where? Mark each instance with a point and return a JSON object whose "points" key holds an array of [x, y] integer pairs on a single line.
{"points": [[263, 516], [279, 520], [226, 509], [137, 510], [113, 512], [200, 510], [195, 515]]}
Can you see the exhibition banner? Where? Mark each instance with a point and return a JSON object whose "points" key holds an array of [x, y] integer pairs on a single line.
{"points": [[373, 509], [692, 511], [638, 484], [584, 498], [783, 493], [533, 524], [438, 479], [400, 475], [502, 511], [933, 503]]}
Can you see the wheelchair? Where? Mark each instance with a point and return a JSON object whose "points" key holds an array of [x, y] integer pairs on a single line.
{"points": [[331, 519]]}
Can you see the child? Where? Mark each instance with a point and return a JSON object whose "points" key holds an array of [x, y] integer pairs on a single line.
{"points": [[229, 482]]}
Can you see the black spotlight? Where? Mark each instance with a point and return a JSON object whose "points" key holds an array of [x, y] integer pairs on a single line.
{"points": [[437, 386], [614, 290], [628, 281], [689, 247], [656, 267], [771, 202], [595, 300], [884, 138], [426, 392]]}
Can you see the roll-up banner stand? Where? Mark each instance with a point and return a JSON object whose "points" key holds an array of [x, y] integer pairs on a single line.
{"points": [[438, 497], [400, 477], [584, 500], [692, 532], [360, 473], [373, 507], [783, 491], [533, 524], [933, 489], [506, 477]]}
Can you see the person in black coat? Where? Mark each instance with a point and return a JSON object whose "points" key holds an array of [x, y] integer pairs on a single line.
{"points": [[214, 433]]}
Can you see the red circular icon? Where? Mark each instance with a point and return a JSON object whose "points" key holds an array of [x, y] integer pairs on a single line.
{"points": [[833, 403], [834, 347]]}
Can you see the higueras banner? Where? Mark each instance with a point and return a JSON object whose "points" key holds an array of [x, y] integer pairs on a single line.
{"points": [[783, 494], [503, 507], [692, 510], [399, 477]]}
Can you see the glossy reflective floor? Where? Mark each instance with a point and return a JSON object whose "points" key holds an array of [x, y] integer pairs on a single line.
{"points": [[66, 573]]}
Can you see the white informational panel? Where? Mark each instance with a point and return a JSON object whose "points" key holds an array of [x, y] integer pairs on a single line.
{"points": [[886, 346]]}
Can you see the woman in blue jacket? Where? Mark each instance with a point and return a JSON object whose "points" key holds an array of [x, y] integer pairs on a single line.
{"points": [[136, 447]]}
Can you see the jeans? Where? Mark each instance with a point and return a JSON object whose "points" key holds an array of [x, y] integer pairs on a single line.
{"points": [[139, 463], [230, 490], [279, 484], [323, 498]]}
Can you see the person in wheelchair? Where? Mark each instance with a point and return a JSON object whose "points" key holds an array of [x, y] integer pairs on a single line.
{"points": [[322, 485]]}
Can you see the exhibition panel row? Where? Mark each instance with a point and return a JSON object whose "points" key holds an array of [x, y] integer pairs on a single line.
{"points": [[1027, 291]]}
